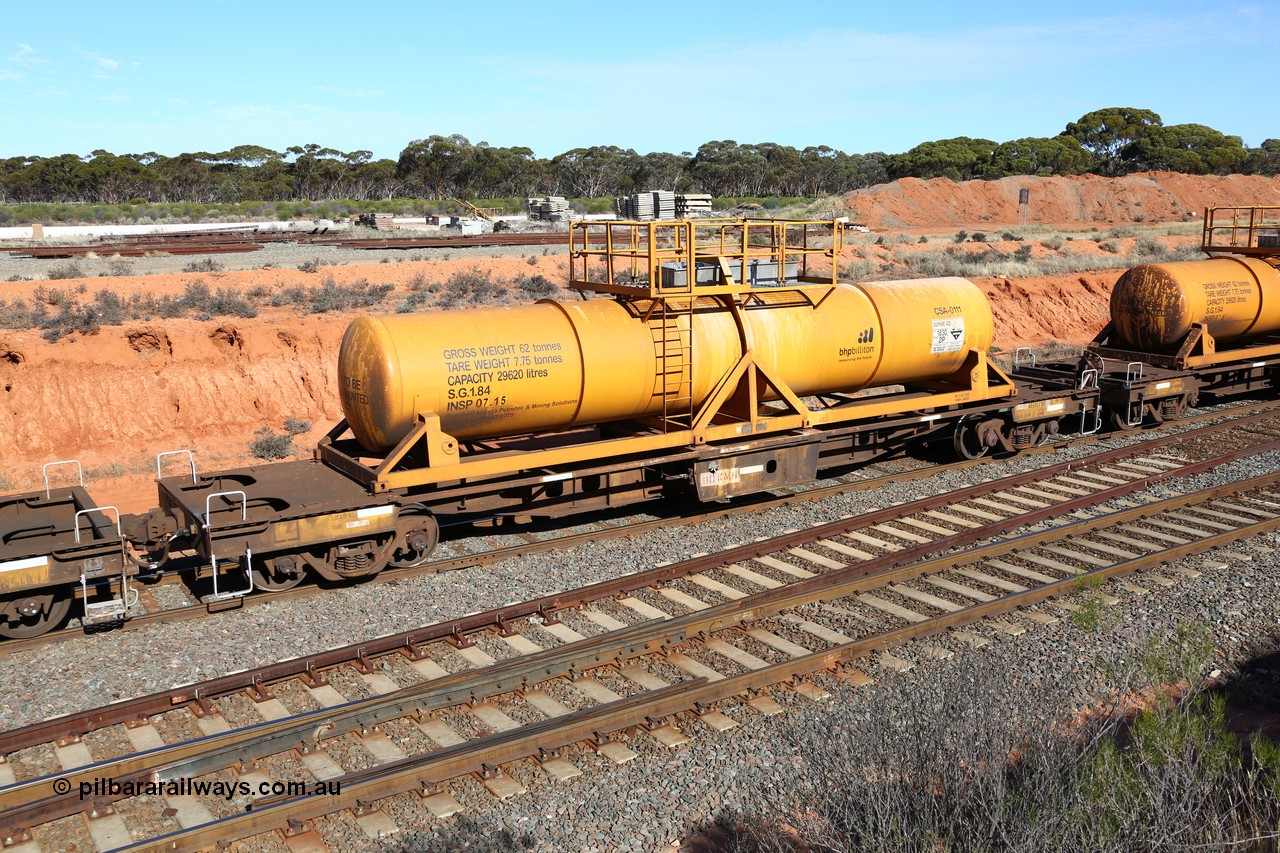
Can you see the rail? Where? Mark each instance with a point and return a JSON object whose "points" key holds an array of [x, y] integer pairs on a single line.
{"points": [[1256, 413], [407, 643]]}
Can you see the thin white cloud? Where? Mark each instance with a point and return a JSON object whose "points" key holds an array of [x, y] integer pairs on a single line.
{"points": [[237, 113], [10, 74], [100, 62], [177, 102], [25, 56], [857, 60], [858, 82]]}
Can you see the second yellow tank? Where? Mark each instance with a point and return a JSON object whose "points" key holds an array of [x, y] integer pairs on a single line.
{"points": [[1154, 305]]}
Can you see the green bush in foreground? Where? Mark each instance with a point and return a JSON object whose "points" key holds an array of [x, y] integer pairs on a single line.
{"points": [[946, 768]]}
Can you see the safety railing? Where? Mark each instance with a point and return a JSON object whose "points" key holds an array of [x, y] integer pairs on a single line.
{"points": [[1241, 230], [703, 257]]}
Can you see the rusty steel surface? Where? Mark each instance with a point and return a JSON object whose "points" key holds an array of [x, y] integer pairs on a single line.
{"points": [[222, 242], [134, 250], [423, 771], [1153, 306], [504, 238], [74, 725]]}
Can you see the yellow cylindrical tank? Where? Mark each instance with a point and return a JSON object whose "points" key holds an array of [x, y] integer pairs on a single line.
{"points": [[1154, 305], [554, 365]]}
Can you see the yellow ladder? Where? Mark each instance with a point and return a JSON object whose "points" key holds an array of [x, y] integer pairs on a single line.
{"points": [[673, 352]]}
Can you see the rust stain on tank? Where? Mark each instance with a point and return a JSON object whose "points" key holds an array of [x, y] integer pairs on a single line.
{"points": [[1148, 307], [1153, 306]]}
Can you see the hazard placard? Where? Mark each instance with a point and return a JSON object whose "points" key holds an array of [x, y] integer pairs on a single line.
{"points": [[948, 335]]}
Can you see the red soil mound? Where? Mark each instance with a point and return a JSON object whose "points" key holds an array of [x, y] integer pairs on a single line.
{"points": [[1080, 200]]}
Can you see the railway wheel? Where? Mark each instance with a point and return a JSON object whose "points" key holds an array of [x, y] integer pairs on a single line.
{"points": [[971, 439], [352, 560], [1048, 431], [417, 533], [26, 615], [1120, 421], [276, 574]]}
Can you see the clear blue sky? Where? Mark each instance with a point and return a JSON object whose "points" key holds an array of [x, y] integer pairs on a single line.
{"points": [[653, 76]]}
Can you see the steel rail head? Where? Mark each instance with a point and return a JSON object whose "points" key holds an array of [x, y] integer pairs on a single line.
{"points": [[1244, 414]]}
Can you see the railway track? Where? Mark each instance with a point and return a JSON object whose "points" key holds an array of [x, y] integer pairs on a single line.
{"points": [[475, 698], [217, 243], [149, 611]]}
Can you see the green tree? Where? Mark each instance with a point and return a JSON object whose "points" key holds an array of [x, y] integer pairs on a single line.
{"points": [[376, 179], [1056, 155], [500, 172], [435, 163], [1192, 149], [112, 180], [1108, 132], [249, 156], [725, 168], [861, 170], [595, 171], [187, 177], [1265, 160], [661, 171], [960, 159]]}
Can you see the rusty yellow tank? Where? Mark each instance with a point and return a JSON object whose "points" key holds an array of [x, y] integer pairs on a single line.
{"points": [[1154, 305], [554, 365]]}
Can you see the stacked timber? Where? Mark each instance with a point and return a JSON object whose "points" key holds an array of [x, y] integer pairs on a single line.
{"points": [[664, 204], [693, 205]]}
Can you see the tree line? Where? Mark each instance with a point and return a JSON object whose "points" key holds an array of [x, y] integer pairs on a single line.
{"points": [[1112, 141]]}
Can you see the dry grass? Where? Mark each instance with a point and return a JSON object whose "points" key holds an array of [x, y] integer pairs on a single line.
{"points": [[939, 769]]}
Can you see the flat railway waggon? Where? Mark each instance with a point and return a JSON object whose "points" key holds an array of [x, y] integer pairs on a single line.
{"points": [[710, 358]]}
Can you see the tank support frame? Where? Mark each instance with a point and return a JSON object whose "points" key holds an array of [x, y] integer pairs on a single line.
{"points": [[428, 456], [1197, 349]]}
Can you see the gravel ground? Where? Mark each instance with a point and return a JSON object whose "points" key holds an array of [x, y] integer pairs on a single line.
{"points": [[669, 795], [665, 794], [281, 255]]}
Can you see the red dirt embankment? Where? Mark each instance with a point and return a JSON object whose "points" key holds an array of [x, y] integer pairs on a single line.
{"points": [[116, 398], [1080, 200]]}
